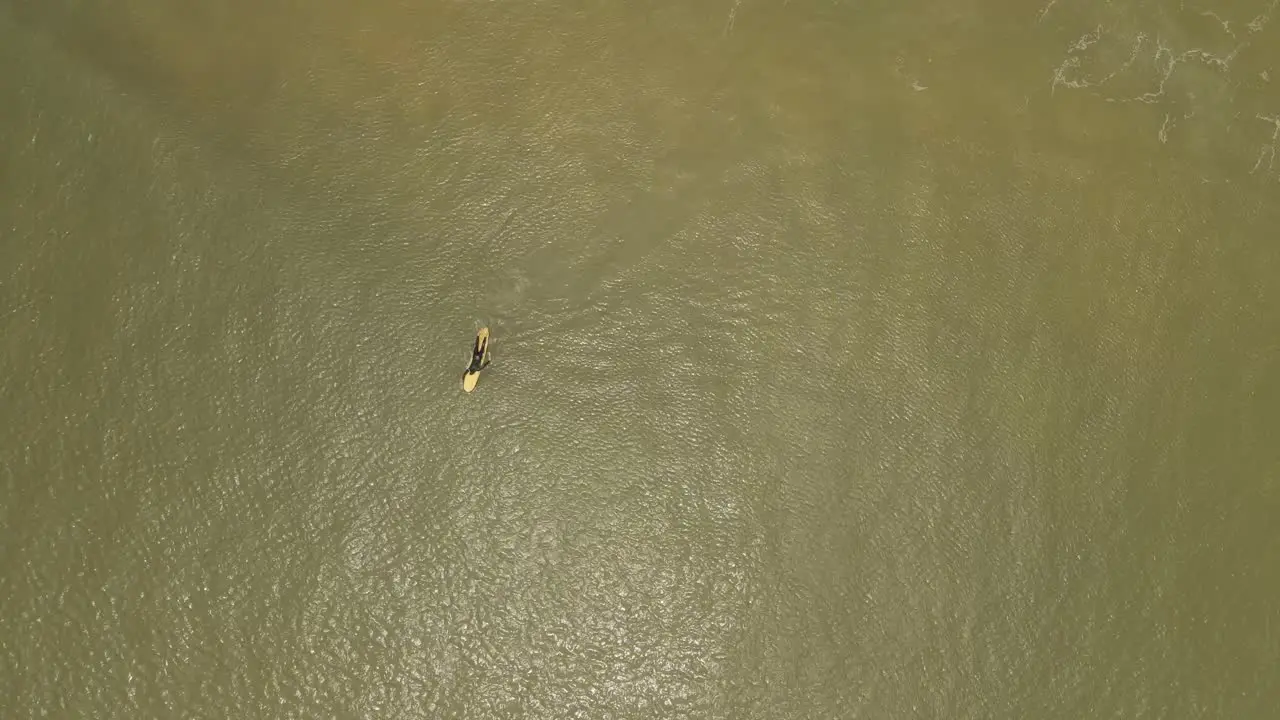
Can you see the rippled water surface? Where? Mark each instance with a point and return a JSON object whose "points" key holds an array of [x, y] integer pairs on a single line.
{"points": [[850, 360]]}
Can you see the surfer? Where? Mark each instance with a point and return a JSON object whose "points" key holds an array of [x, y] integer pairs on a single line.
{"points": [[479, 354], [479, 360]]}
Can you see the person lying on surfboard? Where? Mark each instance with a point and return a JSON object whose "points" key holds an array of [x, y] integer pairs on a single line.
{"points": [[479, 355], [479, 360]]}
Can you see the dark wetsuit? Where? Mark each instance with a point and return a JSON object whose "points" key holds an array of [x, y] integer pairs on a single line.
{"points": [[479, 357]]}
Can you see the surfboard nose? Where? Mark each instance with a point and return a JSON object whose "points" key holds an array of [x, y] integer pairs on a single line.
{"points": [[469, 381]]}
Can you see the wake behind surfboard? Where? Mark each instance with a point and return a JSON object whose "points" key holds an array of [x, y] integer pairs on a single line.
{"points": [[479, 359]]}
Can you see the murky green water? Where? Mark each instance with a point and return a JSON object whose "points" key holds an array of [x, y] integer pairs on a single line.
{"points": [[851, 360]]}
